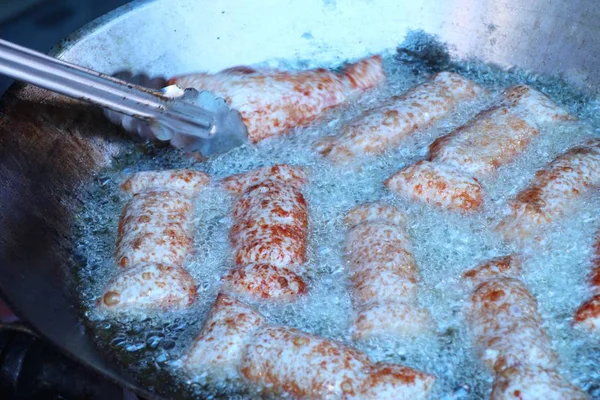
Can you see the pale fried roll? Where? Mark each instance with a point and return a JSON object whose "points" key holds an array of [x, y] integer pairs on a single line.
{"points": [[485, 143], [155, 235], [552, 191], [383, 128], [587, 315], [269, 233], [148, 287], [395, 382], [184, 181], [498, 135], [156, 224], [533, 383], [272, 101], [303, 365], [375, 212], [286, 360], [508, 334], [503, 318], [237, 342], [439, 185], [383, 273], [539, 106], [477, 149], [217, 351]]}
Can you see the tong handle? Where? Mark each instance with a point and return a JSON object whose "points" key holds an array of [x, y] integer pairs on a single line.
{"points": [[80, 83]]}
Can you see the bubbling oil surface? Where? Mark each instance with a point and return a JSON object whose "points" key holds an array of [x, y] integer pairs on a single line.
{"points": [[444, 244]]}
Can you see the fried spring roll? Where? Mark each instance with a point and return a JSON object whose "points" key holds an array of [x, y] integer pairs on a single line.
{"points": [[498, 135], [264, 281], [220, 346], [587, 315], [552, 191], [238, 184], [508, 333], [533, 383], [383, 273], [269, 233], [286, 361], [184, 181], [156, 224], [385, 127], [148, 286], [154, 237], [439, 185], [271, 101], [495, 137], [504, 319], [371, 212]]}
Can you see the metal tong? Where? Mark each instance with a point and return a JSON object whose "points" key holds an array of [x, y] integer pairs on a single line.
{"points": [[191, 120]]}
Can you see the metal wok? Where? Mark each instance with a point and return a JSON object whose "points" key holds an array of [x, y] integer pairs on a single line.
{"points": [[51, 146]]}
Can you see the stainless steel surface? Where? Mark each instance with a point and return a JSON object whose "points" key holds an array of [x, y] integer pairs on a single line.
{"points": [[552, 37], [50, 145], [181, 120]]}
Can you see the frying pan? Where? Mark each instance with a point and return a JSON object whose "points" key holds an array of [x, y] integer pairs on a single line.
{"points": [[51, 147]]}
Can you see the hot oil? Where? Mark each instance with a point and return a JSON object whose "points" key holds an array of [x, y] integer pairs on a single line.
{"points": [[444, 244]]}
